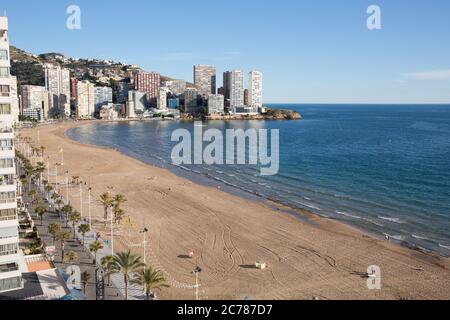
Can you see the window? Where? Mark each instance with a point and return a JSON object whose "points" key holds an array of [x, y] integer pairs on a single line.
{"points": [[4, 91], [6, 163], [7, 197], [8, 249], [8, 267], [4, 72], [8, 214], [3, 54], [6, 144], [10, 283], [5, 108]]}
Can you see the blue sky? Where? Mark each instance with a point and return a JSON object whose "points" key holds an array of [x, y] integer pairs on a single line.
{"points": [[309, 51]]}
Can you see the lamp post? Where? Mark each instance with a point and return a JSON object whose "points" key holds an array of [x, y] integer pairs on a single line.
{"points": [[196, 272], [81, 200], [89, 206], [67, 186], [112, 234], [145, 231]]}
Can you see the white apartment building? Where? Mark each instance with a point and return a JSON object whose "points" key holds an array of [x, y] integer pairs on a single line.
{"points": [[10, 273], [85, 103], [137, 103], [236, 87], [215, 104], [103, 97], [57, 82], [255, 89], [35, 100], [162, 98]]}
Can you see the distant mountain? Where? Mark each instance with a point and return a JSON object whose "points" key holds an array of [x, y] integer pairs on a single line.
{"points": [[28, 68]]}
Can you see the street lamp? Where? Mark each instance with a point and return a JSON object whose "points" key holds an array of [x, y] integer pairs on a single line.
{"points": [[196, 272], [89, 206], [112, 232], [67, 186], [145, 231]]}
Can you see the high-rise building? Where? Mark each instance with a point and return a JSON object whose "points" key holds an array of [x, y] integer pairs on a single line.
{"points": [[10, 272], [215, 104], [162, 98], [102, 97], [205, 79], [255, 79], [191, 101], [233, 84], [148, 82], [176, 87], [137, 104], [35, 98], [246, 97], [57, 82], [85, 105]]}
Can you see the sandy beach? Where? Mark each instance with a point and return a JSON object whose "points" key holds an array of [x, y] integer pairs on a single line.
{"points": [[306, 257]]}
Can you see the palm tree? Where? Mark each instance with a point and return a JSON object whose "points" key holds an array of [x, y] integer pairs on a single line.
{"points": [[55, 196], [106, 201], [59, 203], [40, 210], [74, 218], [107, 263], [94, 247], [85, 277], [48, 188], [151, 279], [119, 215], [126, 263], [70, 257], [117, 202], [83, 229], [64, 236], [32, 194], [67, 209], [54, 229]]}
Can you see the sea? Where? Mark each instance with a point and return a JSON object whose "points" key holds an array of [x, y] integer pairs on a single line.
{"points": [[382, 168]]}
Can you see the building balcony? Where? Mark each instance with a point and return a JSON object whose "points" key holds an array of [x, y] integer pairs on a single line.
{"points": [[9, 240]]}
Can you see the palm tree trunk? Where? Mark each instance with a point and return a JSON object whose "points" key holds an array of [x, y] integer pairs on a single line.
{"points": [[126, 286]]}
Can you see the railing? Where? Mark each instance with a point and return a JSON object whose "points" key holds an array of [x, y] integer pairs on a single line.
{"points": [[11, 200], [8, 218], [7, 253], [9, 269], [7, 182], [10, 148]]}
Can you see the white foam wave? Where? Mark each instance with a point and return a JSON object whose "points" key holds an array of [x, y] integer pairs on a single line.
{"points": [[395, 220]]}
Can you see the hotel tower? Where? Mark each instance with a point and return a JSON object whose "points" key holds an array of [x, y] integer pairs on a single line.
{"points": [[10, 274]]}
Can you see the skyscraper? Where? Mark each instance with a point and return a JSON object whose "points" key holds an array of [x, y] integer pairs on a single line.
{"points": [[233, 83], [10, 274], [149, 82], [57, 82], [85, 106], [102, 97], [255, 89], [191, 97], [205, 79], [35, 98], [215, 104]]}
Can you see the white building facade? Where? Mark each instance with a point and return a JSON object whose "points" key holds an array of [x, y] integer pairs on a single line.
{"points": [[255, 79], [85, 104], [35, 100], [57, 82], [236, 89], [216, 104], [10, 273]]}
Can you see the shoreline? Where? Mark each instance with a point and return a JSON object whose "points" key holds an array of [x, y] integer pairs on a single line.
{"points": [[297, 212], [290, 218]]}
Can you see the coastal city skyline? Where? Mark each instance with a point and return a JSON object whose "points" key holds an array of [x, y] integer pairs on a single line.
{"points": [[387, 66], [131, 179]]}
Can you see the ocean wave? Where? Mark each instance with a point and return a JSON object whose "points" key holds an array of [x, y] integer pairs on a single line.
{"points": [[444, 247], [346, 214], [395, 237], [395, 220], [420, 237], [308, 205]]}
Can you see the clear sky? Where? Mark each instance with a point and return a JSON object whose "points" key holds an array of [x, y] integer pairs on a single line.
{"points": [[315, 51]]}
